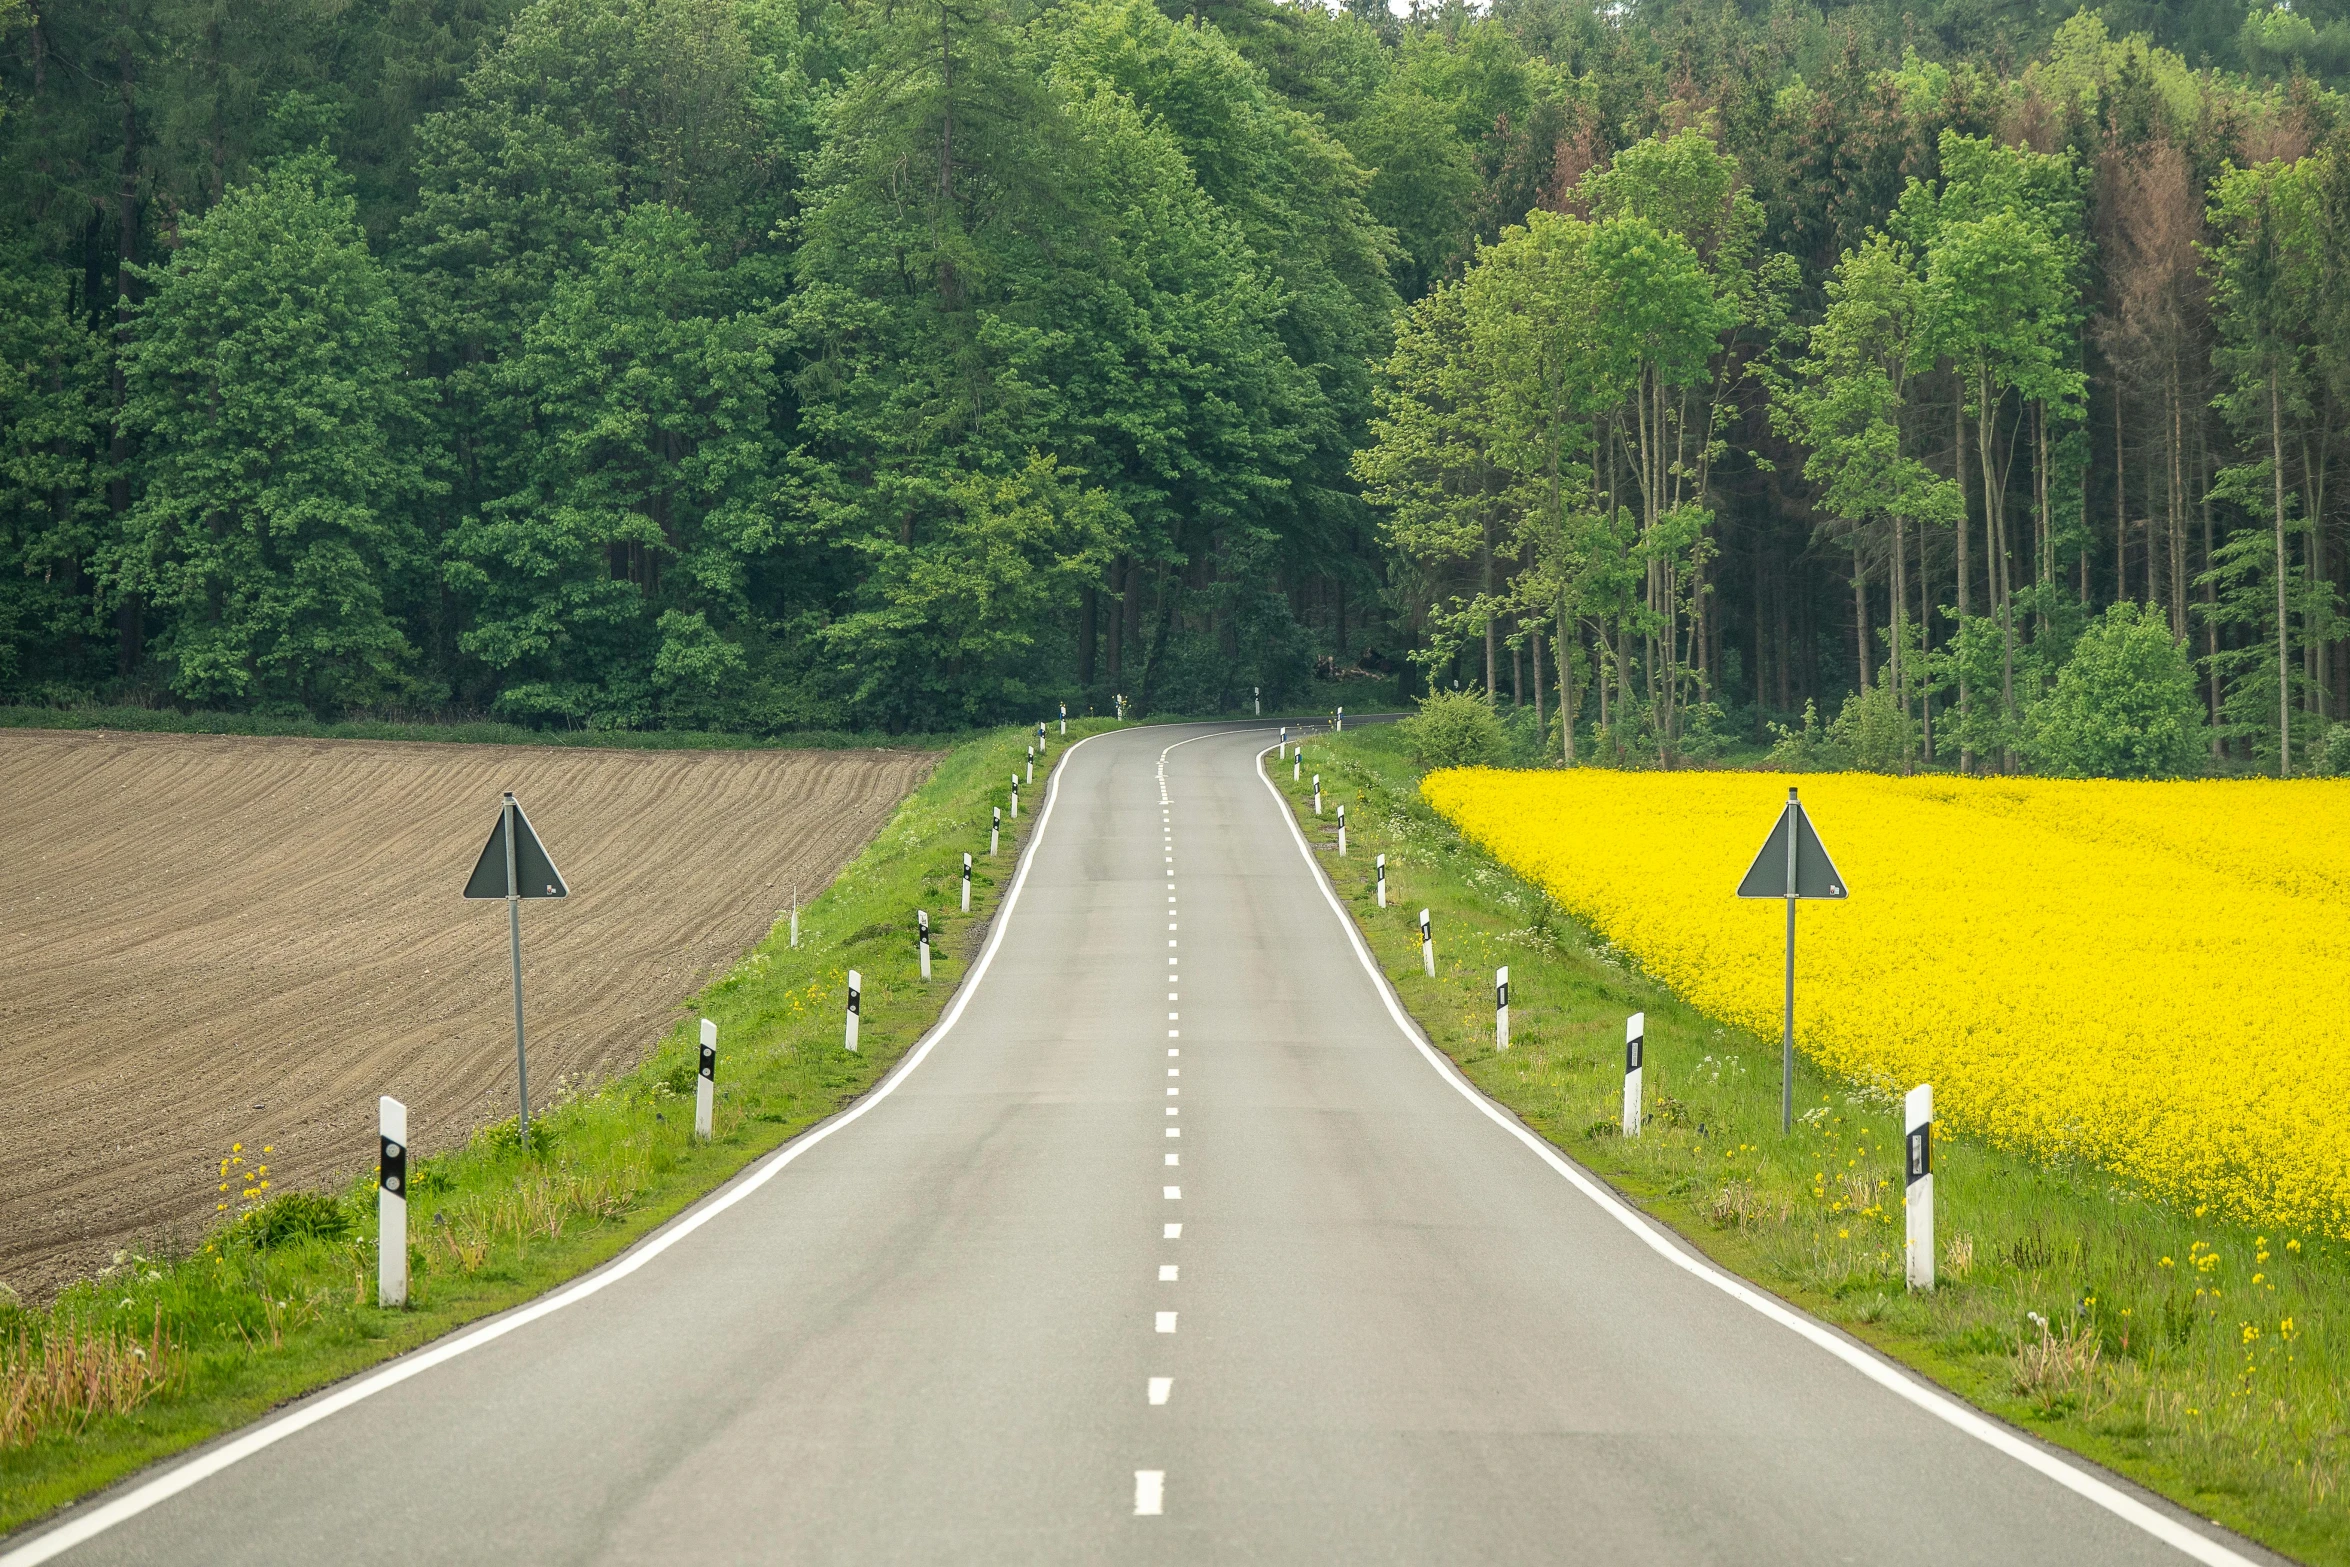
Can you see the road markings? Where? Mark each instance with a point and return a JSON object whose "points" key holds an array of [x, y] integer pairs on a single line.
{"points": [[1174, 1131], [1167, 1273], [196, 1470], [1150, 1492], [1171, 1193], [1160, 1387], [1173, 1232], [1174, 1158], [1932, 1400], [1166, 1321]]}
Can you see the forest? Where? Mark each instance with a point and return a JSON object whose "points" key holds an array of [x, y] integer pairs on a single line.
{"points": [[1955, 386]]}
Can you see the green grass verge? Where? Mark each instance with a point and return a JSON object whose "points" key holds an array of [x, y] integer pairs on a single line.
{"points": [[173, 721], [2205, 1361], [278, 1301]]}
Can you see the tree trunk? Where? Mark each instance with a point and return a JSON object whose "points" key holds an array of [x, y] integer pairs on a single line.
{"points": [[1958, 467], [1487, 552], [1860, 612], [1088, 633], [1534, 654], [1569, 657], [2276, 448]]}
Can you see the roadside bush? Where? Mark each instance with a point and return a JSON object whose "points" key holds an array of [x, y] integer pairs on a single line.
{"points": [[1456, 729], [2124, 705], [293, 1216]]}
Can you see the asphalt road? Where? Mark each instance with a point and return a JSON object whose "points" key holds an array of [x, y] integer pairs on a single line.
{"points": [[1172, 1247]]}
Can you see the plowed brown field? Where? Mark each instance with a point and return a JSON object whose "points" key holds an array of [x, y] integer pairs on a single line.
{"points": [[217, 939]]}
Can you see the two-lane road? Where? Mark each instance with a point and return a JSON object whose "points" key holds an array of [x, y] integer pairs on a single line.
{"points": [[1169, 1245]]}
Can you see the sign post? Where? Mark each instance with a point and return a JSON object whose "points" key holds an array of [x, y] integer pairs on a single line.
{"points": [[1793, 864], [514, 866]]}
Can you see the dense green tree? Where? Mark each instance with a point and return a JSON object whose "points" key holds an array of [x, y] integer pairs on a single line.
{"points": [[2123, 706], [265, 382]]}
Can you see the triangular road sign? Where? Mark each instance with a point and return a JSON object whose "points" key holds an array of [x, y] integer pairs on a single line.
{"points": [[1816, 875], [532, 866]]}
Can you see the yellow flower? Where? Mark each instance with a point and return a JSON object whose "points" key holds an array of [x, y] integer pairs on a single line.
{"points": [[1844, 1235], [2066, 961]]}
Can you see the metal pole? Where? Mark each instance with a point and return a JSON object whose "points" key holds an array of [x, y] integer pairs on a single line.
{"points": [[1787, 1017], [514, 940]]}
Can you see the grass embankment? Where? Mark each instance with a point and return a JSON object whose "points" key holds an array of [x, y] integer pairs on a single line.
{"points": [[173, 721], [161, 1353], [2205, 1361]]}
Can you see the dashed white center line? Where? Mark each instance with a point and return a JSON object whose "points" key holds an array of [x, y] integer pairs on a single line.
{"points": [[1171, 1193], [1173, 1093], [1173, 1232], [1166, 1321], [1174, 1158], [1170, 1109], [1173, 1016], [1174, 1131], [1160, 1387], [1172, 1051], [1150, 1492], [1166, 1273]]}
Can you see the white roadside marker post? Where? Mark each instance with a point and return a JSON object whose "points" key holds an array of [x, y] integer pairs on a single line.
{"points": [[966, 883], [1284, 742], [391, 1203], [995, 830], [1015, 797], [1427, 946], [922, 929], [706, 1081], [1382, 881], [795, 917], [1342, 720], [1121, 707], [1032, 761], [1635, 1050], [1342, 832], [1064, 718], [1918, 1119], [1297, 765], [1040, 737], [856, 981], [1501, 1007], [1257, 695], [1317, 794]]}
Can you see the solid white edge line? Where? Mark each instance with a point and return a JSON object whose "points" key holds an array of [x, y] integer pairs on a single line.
{"points": [[76, 1531], [1932, 1400]]}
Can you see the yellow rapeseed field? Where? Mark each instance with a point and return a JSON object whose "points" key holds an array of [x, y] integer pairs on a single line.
{"points": [[2153, 977]]}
